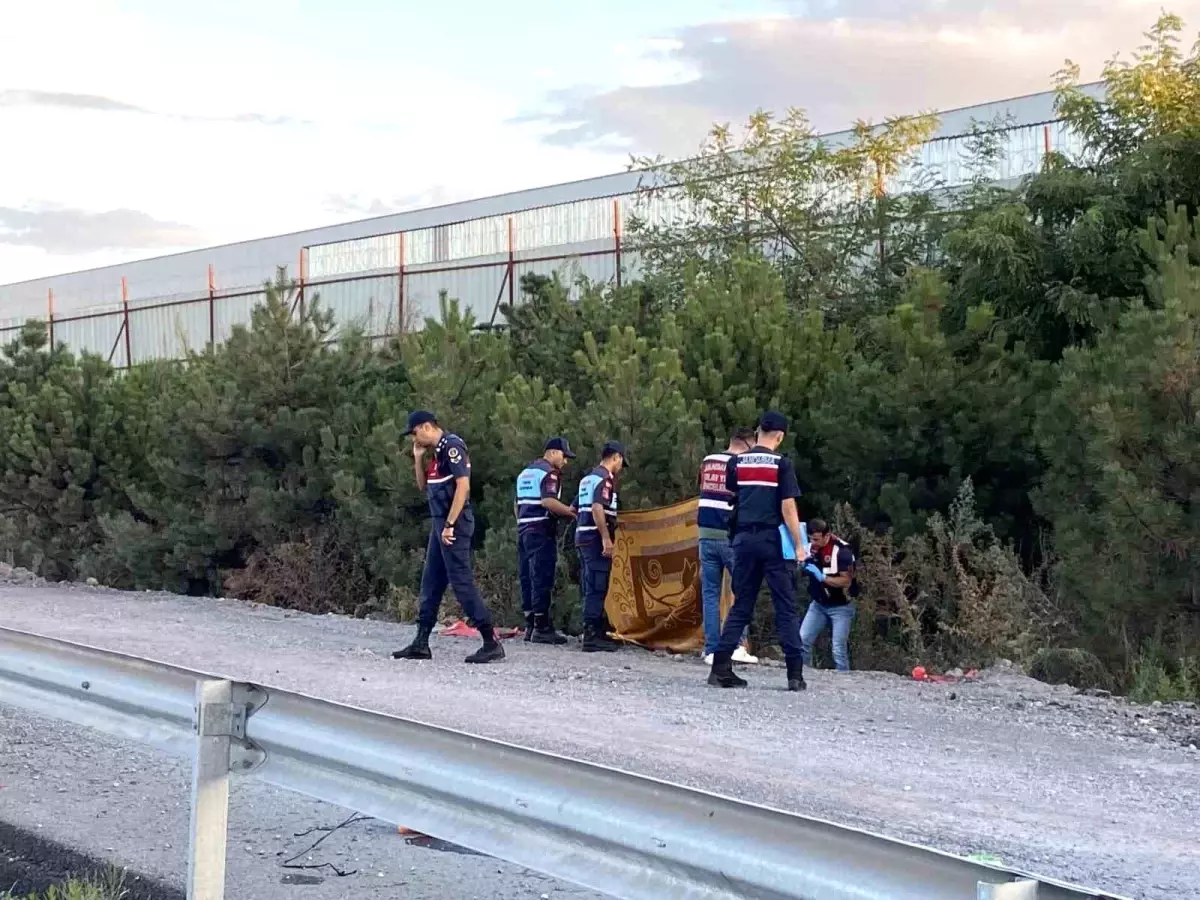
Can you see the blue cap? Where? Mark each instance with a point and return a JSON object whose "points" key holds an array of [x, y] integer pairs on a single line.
{"points": [[560, 443], [417, 418], [773, 421], [612, 447]]}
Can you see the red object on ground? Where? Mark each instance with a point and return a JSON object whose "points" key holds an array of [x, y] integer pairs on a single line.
{"points": [[919, 674], [461, 629]]}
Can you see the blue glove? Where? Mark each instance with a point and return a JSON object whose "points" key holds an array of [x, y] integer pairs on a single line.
{"points": [[814, 571]]}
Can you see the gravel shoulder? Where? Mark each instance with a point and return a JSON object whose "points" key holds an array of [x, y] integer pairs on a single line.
{"points": [[1088, 789]]}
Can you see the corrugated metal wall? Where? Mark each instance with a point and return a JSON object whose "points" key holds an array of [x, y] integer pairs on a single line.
{"points": [[363, 270]]}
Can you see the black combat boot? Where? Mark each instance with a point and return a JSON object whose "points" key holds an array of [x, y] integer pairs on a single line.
{"points": [[722, 674], [795, 672], [596, 641], [419, 648], [544, 633], [491, 651], [529, 627]]}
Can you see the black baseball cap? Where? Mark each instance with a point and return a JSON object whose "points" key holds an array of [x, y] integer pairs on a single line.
{"points": [[417, 418], [560, 443], [773, 421], [612, 447]]}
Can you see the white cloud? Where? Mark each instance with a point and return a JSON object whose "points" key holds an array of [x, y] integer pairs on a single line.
{"points": [[237, 141], [74, 231], [108, 115], [849, 59]]}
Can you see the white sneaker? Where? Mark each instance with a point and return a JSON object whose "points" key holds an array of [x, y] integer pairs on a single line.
{"points": [[743, 656], [708, 659]]}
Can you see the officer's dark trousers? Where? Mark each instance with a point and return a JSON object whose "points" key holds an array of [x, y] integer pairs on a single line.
{"points": [[594, 570], [537, 556], [758, 555], [450, 566]]}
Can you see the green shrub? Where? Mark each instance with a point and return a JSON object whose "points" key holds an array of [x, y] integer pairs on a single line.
{"points": [[1072, 666]]}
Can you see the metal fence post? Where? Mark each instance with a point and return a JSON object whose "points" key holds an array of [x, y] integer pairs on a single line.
{"points": [[125, 308], [210, 790], [212, 306], [400, 309], [512, 291], [1012, 890], [303, 277], [617, 237]]}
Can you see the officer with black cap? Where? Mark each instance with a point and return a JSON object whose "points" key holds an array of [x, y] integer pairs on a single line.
{"points": [[446, 480], [765, 529], [538, 502], [594, 533]]}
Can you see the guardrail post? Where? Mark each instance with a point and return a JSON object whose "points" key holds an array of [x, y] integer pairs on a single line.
{"points": [[1012, 890], [210, 790]]}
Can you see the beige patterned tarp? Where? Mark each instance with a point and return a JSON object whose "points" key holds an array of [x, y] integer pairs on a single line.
{"points": [[654, 593]]}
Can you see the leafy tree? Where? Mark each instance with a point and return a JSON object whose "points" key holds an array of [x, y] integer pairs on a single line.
{"points": [[817, 211], [1156, 95], [1060, 258]]}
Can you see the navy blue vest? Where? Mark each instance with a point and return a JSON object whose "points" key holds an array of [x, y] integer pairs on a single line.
{"points": [[760, 480], [716, 500]]}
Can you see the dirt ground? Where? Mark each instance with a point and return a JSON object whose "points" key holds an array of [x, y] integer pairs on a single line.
{"points": [[1089, 789]]}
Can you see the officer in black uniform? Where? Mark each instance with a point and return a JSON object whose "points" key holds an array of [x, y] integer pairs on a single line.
{"points": [[447, 482], [765, 528]]}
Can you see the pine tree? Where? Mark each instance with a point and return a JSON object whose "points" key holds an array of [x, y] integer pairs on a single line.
{"points": [[1122, 436]]}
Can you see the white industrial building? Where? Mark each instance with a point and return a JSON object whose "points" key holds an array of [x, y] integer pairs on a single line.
{"points": [[385, 273]]}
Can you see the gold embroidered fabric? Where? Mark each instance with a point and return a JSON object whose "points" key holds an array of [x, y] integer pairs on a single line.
{"points": [[654, 594]]}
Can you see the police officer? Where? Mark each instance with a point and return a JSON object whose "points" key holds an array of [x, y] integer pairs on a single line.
{"points": [[447, 482], [594, 533], [539, 489], [766, 532]]}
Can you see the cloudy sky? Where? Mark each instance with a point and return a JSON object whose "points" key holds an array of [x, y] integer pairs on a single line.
{"points": [[130, 128]]}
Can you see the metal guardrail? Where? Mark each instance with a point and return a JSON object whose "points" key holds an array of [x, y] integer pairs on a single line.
{"points": [[614, 832]]}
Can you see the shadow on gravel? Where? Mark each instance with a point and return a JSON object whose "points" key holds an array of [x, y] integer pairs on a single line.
{"points": [[30, 865]]}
